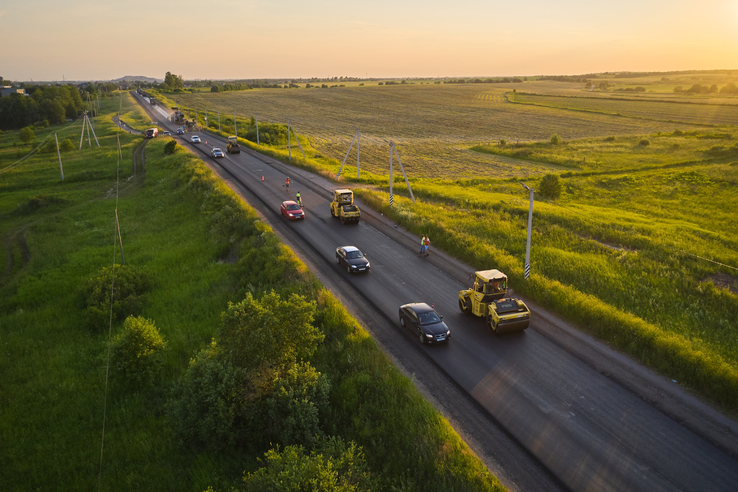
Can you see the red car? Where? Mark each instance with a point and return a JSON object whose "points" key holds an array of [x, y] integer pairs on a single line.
{"points": [[292, 210]]}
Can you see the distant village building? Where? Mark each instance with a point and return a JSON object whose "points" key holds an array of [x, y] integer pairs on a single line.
{"points": [[6, 90]]}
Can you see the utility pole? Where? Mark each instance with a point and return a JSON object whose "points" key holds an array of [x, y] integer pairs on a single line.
{"points": [[392, 152], [530, 230], [59, 154]]}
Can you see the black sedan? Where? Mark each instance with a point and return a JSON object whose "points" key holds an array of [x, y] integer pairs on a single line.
{"points": [[353, 259], [425, 322]]}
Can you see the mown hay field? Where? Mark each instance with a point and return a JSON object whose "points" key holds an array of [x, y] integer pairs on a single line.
{"points": [[433, 125], [654, 110]]}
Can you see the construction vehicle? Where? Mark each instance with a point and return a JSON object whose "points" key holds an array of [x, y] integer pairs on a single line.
{"points": [[488, 298], [232, 146], [343, 206]]}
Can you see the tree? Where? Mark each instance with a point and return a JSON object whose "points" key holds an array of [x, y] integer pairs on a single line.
{"points": [[252, 385], [26, 134], [173, 82], [171, 147], [135, 351], [333, 466], [294, 406], [550, 187]]}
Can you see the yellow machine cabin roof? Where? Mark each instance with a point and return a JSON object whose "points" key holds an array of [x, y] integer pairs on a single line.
{"points": [[488, 275], [343, 190]]}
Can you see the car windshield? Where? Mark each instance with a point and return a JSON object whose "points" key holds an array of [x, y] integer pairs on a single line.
{"points": [[354, 254], [428, 318], [293, 206]]}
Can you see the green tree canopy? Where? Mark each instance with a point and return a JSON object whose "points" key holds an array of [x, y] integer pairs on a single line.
{"points": [[333, 466], [252, 386], [173, 82]]}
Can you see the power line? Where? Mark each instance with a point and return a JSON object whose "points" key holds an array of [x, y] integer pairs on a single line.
{"points": [[116, 233]]}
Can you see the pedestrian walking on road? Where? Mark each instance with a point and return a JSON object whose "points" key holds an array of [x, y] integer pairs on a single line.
{"points": [[426, 244], [422, 244]]}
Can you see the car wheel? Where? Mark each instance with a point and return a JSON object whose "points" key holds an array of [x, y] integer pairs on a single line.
{"points": [[465, 305], [348, 269], [402, 321], [421, 337]]}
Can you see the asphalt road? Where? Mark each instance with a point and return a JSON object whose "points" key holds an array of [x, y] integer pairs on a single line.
{"points": [[541, 417]]}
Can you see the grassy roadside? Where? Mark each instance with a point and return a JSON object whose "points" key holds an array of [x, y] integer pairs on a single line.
{"points": [[638, 251], [201, 247]]}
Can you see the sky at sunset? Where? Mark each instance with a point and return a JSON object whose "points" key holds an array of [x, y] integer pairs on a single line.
{"points": [[245, 39]]}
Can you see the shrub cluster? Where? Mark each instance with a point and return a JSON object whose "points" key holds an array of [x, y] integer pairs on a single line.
{"points": [[128, 293], [135, 352]]}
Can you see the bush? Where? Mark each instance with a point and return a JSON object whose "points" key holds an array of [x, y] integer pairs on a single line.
{"points": [[135, 352], [26, 134], [644, 142], [131, 285], [609, 139], [550, 187], [332, 466], [171, 147], [66, 145], [555, 139], [269, 134], [503, 142]]}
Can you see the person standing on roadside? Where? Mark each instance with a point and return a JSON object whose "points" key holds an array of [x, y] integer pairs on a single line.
{"points": [[426, 244]]}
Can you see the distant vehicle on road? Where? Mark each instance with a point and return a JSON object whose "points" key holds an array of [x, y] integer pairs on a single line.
{"points": [[233, 147], [195, 139], [425, 322], [152, 132], [353, 259], [180, 131], [216, 152], [166, 133], [292, 210]]}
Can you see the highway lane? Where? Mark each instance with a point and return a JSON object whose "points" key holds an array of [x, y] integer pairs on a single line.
{"points": [[586, 429]]}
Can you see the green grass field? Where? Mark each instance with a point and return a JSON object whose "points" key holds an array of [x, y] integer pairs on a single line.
{"points": [[201, 247], [640, 249]]}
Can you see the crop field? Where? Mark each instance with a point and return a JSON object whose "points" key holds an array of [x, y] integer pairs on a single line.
{"points": [[433, 125], [654, 110]]}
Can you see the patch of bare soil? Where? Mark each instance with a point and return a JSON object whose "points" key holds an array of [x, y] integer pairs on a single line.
{"points": [[724, 281]]}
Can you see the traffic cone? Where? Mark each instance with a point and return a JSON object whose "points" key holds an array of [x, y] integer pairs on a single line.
{"points": [[262, 178]]}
